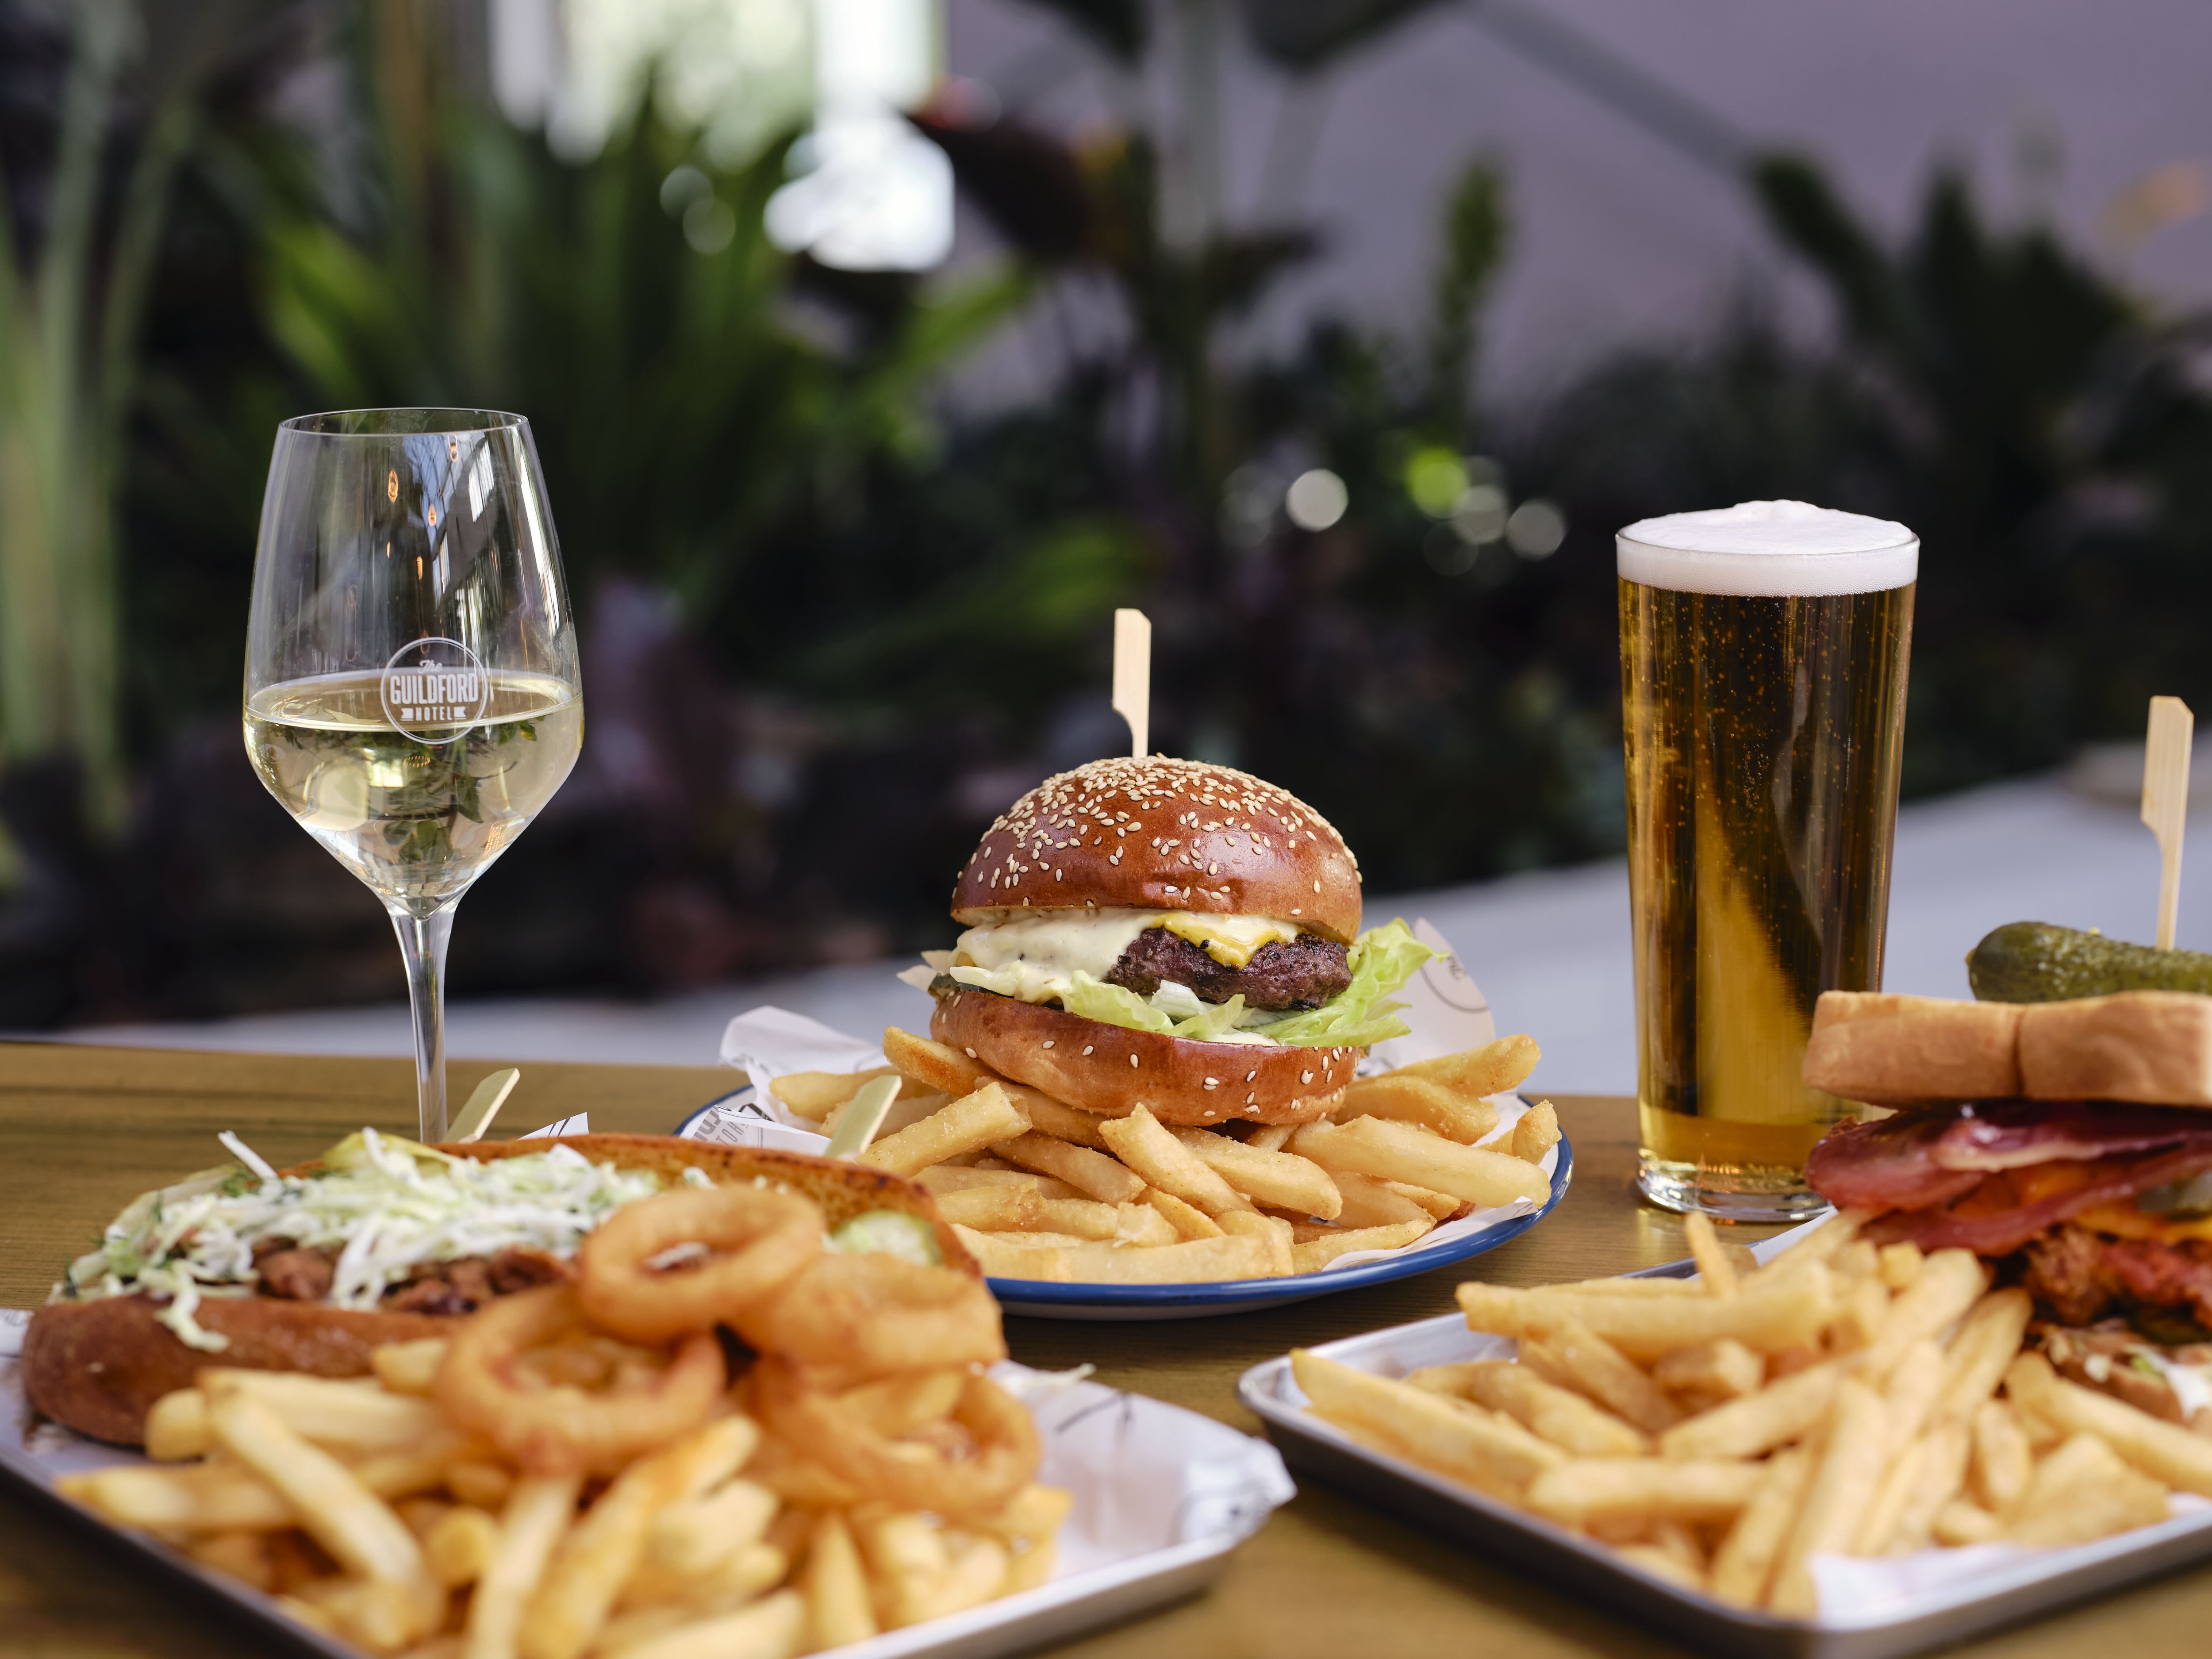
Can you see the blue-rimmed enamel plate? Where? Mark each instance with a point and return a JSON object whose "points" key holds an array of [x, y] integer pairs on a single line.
{"points": [[1042, 1300]]}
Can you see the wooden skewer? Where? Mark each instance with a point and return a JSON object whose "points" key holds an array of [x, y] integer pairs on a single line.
{"points": [[2166, 801], [1132, 675]]}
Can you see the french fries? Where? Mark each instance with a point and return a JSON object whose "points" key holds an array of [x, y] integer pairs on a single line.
{"points": [[815, 1095], [1496, 1068], [1391, 1151], [721, 1540], [1281, 1179], [1047, 1190], [1727, 1432], [1311, 1254], [968, 1125], [1142, 1143], [1433, 1106]]}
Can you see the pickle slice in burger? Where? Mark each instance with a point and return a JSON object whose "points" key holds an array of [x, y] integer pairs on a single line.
{"points": [[1171, 933]]}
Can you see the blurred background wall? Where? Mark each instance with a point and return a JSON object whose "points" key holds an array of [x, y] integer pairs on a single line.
{"points": [[876, 352]]}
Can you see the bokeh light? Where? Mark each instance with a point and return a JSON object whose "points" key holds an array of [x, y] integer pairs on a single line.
{"points": [[1316, 499], [1480, 513], [1434, 478], [1536, 529]]}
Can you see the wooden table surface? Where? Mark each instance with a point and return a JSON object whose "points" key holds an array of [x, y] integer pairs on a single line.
{"points": [[84, 1129]]}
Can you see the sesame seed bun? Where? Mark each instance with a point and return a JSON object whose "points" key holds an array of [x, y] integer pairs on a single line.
{"points": [[1164, 835], [1088, 1063]]}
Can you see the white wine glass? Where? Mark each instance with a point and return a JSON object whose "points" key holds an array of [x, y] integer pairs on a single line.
{"points": [[411, 690]]}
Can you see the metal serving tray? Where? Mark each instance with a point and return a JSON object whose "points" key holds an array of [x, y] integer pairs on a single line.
{"points": [[1162, 1497], [2024, 1583]]}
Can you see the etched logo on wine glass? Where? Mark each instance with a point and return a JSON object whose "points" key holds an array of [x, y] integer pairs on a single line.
{"points": [[434, 689]]}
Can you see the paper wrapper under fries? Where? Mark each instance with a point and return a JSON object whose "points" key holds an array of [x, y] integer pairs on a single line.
{"points": [[1430, 1146], [1837, 1429]]}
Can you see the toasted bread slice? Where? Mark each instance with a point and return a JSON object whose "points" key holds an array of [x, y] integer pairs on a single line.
{"points": [[1900, 1050], [2154, 1048], [2151, 1047]]}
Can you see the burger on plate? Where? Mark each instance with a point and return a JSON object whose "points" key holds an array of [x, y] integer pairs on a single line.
{"points": [[2068, 1143], [1168, 933]]}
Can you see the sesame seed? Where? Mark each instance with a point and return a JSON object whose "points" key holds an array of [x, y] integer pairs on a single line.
{"points": [[1048, 1042], [1304, 1077], [1133, 1062], [1248, 1099], [971, 1054], [1213, 1083], [1087, 1048]]}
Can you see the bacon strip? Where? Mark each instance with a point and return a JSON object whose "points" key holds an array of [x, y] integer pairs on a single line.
{"points": [[1887, 1164], [2012, 1134], [2004, 1231], [1922, 1160]]}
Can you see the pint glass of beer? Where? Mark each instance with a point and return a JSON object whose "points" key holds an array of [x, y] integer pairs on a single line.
{"points": [[1763, 655]]}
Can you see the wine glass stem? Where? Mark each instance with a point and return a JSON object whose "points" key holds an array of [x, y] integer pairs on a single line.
{"points": [[422, 942]]}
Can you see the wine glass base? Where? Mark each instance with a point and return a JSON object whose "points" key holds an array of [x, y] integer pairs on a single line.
{"points": [[1737, 1193]]}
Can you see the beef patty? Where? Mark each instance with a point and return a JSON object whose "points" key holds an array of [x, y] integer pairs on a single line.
{"points": [[1280, 977]]}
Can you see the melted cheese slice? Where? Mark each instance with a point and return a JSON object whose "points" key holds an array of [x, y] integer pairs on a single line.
{"points": [[1034, 958], [1230, 940], [2122, 1220]]}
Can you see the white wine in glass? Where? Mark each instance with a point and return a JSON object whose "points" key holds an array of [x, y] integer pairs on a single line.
{"points": [[411, 690]]}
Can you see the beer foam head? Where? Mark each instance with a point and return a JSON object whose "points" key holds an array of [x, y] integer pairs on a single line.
{"points": [[1782, 549]]}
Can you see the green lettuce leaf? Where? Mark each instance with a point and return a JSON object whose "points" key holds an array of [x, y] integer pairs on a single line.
{"points": [[1096, 1000], [1382, 959], [1116, 1006]]}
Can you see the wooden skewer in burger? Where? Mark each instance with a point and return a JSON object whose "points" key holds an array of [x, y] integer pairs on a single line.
{"points": [[2057, 1125], [1170, 933]]}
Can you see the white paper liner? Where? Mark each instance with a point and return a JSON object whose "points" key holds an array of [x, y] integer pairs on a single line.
{"points": [[1445, 1012], [1146, 1476]]}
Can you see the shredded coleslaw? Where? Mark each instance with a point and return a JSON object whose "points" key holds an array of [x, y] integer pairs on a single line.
{"points": [[388, 1206]]}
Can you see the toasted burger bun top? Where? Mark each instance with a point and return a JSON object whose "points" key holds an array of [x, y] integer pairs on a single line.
{"points": [[1110, 1070], [1164, 835]]}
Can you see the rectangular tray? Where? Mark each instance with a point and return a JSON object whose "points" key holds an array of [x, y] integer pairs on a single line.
{"points": [[2029, 1583], [1174, 1493]]}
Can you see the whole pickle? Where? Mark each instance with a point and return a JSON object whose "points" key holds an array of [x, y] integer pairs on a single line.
{"points": [[2036, 961]]}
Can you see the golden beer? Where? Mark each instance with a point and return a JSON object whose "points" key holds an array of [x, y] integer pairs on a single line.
{"points": [[1763, 655]]}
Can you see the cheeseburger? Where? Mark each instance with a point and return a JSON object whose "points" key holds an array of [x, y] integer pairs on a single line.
{"points": [[1168, 933]]}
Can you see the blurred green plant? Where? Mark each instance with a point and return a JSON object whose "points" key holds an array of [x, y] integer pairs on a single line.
{"points": [[631, 305], [71, 302]]}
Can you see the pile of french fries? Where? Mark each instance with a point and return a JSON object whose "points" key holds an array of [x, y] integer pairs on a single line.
{"points": [[369, 1516], [1039, 1190], [1723, 1431]]}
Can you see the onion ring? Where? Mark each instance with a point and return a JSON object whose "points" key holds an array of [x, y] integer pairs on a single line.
{"points": [[763, 1237], [868, 1316], [563, 1429], [910, 1473]]}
